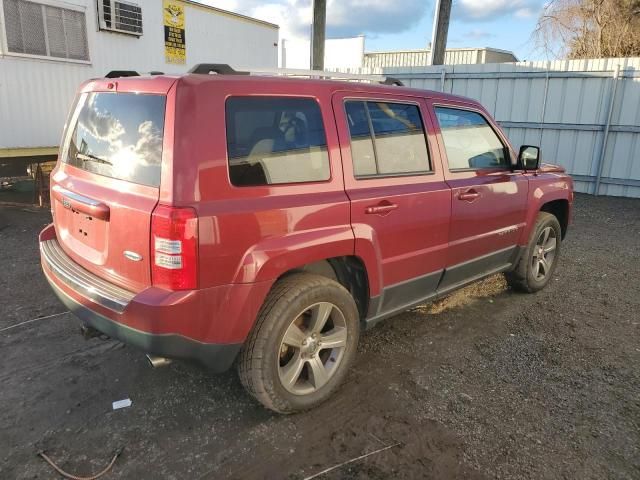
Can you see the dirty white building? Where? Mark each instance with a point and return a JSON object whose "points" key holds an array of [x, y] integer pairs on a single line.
{"points": [[48, 47]]}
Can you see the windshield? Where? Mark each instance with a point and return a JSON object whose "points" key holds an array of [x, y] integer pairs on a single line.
{"points": [[118, 135]]}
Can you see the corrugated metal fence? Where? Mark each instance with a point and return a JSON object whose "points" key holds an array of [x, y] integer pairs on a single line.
{"points": [[585, 114]]}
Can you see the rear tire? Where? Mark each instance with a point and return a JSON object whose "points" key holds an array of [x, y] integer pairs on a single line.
{"points": [[302, 345], [538, 262]]}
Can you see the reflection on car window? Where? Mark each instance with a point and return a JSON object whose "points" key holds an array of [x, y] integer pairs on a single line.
{"points": [[119, 135], [386, 138], [272, 140], [469, 140], [362, 153]]}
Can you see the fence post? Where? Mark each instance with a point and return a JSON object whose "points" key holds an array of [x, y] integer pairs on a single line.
{"points": [[443, 74], [605, 138], [544, 105]]}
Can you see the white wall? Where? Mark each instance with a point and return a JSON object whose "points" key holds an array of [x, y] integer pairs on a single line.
{"points": [[338, 53], [35, 94], [452, 56], [294, 54]]}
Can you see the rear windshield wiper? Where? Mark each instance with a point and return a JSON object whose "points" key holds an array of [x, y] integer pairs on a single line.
{"points": [[92, 158]]}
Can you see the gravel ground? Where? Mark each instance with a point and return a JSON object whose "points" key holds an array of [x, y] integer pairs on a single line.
{"points": [[487, 383]]}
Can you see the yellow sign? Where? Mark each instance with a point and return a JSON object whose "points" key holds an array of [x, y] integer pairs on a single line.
{"points": [[175, 50]]}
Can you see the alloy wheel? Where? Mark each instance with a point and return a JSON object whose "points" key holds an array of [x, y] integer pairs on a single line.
{"points": [[544, 252], [312, 348]]}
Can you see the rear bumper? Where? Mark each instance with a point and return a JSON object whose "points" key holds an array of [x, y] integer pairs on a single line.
{"points": [[216, 357], [207, 325], [88, 285]]}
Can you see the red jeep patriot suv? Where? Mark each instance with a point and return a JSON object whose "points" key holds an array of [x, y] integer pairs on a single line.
{"points": [[267, 220]]}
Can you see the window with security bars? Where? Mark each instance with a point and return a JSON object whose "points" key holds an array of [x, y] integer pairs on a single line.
{"points": [[37, 29], [120, 16]]}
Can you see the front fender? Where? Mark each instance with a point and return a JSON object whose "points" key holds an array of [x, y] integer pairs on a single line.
{"points": [[543, 189]]}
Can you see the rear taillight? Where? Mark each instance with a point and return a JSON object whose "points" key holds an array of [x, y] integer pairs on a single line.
{"points": [[174, 248]]}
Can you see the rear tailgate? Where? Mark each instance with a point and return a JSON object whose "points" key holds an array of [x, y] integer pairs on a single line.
{"points": [[107, 181]]}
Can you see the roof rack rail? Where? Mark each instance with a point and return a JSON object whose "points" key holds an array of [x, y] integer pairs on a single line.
{"points": [[224, 69], [121, 73]]}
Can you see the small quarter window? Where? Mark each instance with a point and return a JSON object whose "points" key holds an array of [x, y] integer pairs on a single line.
{"points": [[386, 139], [362, 152], [275, 140], [469, 140]]}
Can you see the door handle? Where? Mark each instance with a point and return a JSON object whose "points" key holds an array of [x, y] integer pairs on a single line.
{"points": [[81, 203], [383, 208], [468, 196]]}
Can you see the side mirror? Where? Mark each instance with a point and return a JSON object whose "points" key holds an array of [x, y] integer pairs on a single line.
{"points": [[529, 157]]}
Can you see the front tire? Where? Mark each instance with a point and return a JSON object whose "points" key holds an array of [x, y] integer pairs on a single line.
{"points": [[302, 345], [538, 262]]}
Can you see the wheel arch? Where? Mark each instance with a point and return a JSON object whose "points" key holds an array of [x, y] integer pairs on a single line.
{"points": [[349, 271], [559, 208], [549, 198]]}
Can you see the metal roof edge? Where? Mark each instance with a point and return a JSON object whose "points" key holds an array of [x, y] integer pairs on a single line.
{"points": [[195, 3], [418, 50]]}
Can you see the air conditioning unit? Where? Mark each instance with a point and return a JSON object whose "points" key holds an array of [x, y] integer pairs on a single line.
{"points": [[120, 16]]}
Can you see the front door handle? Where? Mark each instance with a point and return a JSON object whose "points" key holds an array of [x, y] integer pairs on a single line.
{"points": [[383, 208], [469, 195]]}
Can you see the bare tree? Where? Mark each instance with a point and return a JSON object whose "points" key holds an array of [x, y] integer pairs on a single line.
{"points": [[589, 28]]}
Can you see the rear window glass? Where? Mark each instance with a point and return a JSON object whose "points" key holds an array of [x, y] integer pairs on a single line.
{"points": [[272, 140], [118, 135], [386, 139]]}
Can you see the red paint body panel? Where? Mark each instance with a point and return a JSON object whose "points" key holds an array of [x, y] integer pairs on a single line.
{"points": [[492, 221], [546, 186], [202, 315], [127, 228], [249, 236], [411, 240], [95, 243], [494, 216]]}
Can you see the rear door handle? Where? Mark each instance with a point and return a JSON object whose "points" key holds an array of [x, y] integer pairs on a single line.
{"points": [[469, 195], [81, 203], [383, 208]]}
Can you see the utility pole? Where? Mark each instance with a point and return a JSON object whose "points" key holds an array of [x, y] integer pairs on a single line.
{"points": [[440, 31], [318, 33]]}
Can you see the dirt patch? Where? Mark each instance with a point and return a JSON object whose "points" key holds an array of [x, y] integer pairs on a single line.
{"points": [[487, 288], [486, 383]]}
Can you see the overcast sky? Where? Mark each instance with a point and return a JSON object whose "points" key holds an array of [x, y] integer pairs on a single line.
{"points": [[392, 24]]}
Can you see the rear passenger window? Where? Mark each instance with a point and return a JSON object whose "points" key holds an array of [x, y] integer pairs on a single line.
{"points": [[273, 140], [386, 139], [469, 140]]}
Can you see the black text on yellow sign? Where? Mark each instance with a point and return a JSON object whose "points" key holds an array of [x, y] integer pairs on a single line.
{"points": [[174, 32]]}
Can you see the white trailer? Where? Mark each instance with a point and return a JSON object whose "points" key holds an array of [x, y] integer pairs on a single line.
{"points": [[48, 47]]}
